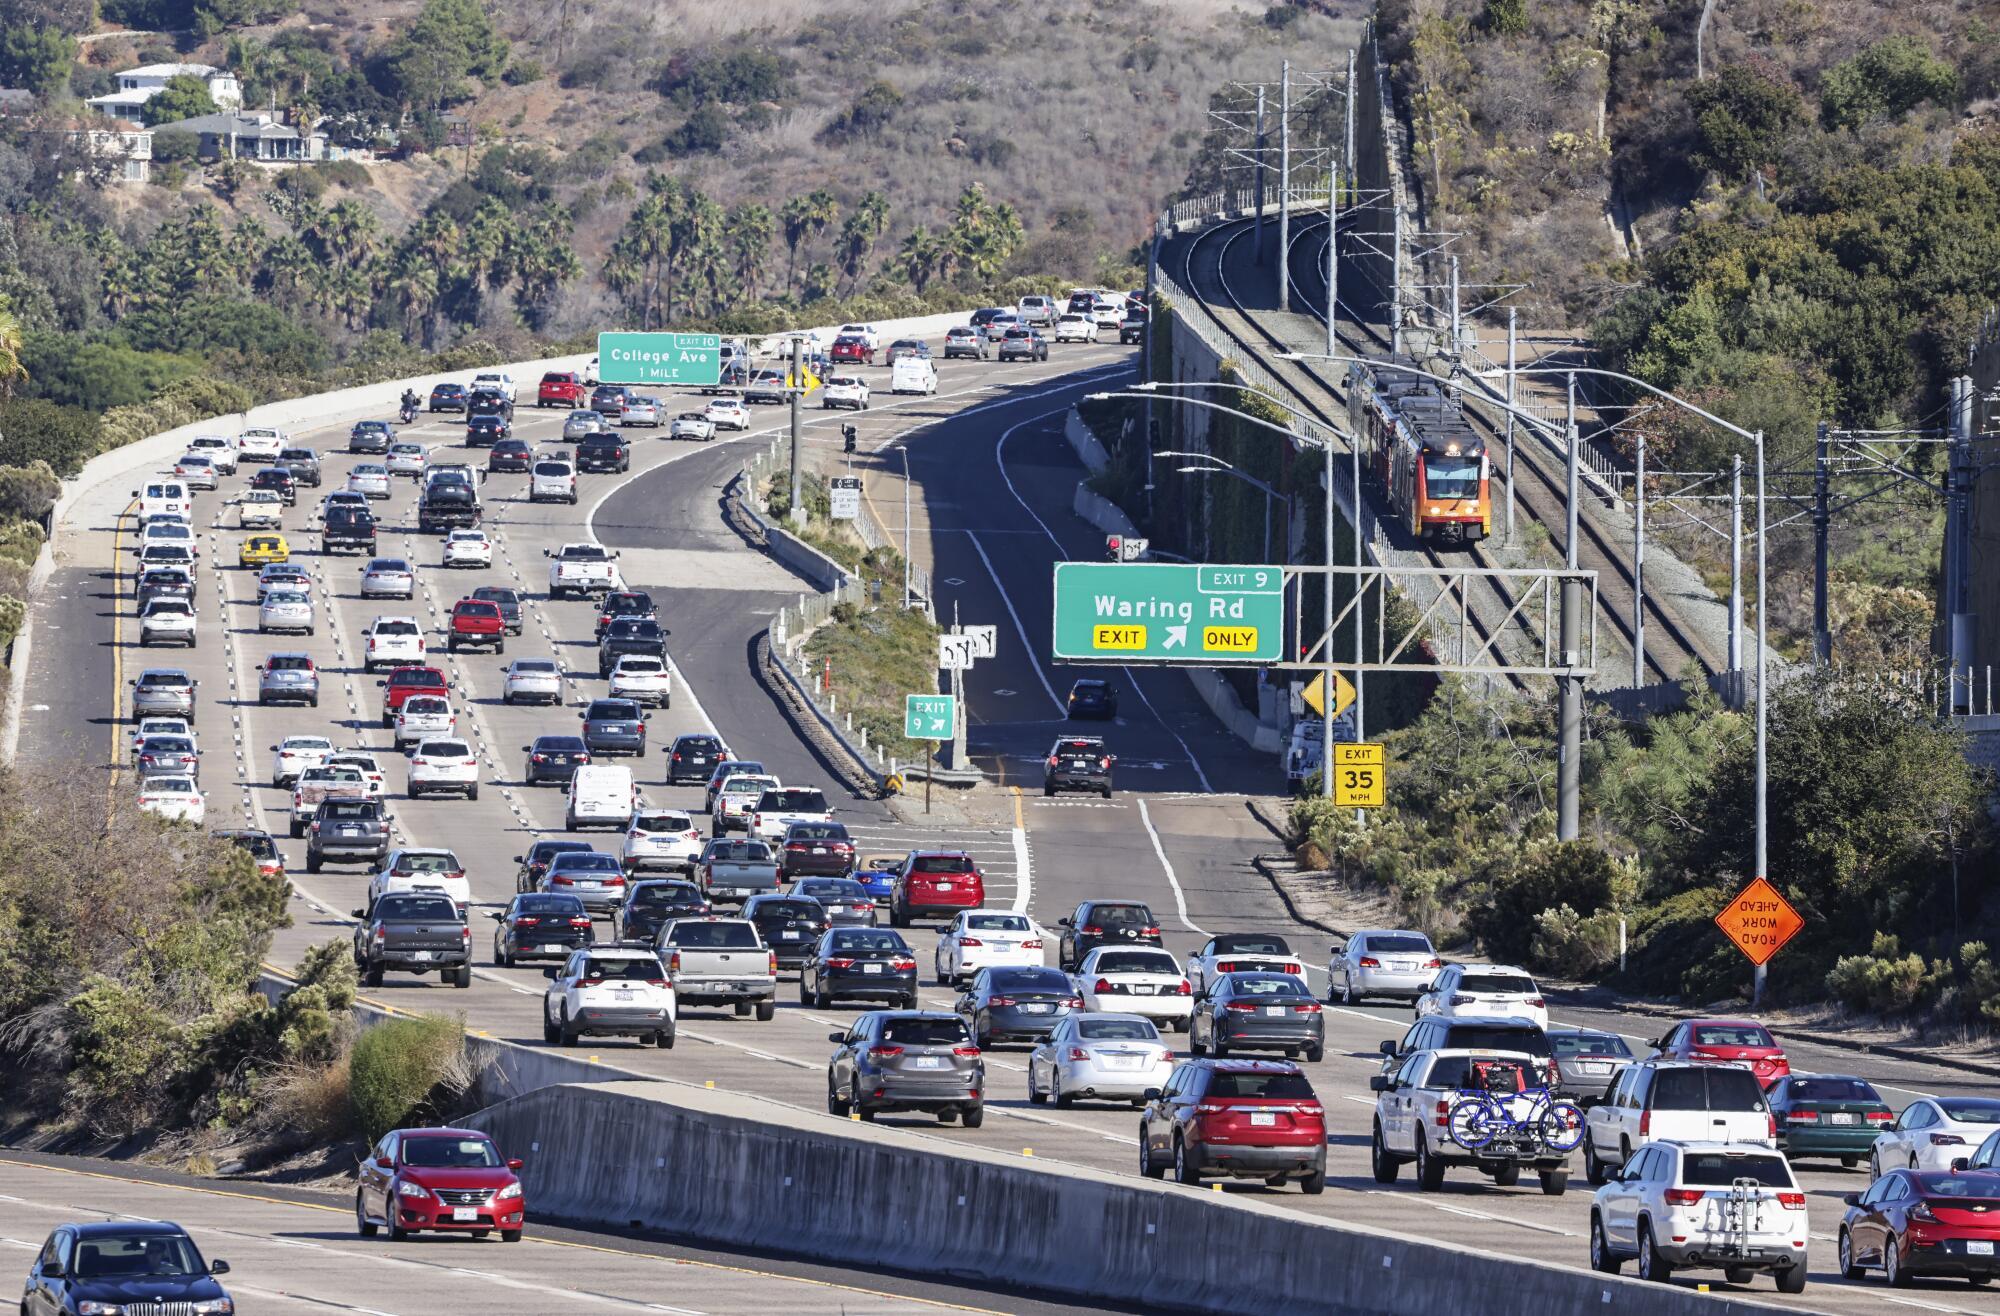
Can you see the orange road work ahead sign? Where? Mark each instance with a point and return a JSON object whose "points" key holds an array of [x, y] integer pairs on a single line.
{"points": [[1759, 921]]}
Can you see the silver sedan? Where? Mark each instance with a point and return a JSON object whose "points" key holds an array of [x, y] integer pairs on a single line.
{"points": [[388, 578], [369, 479], [1099, 1057], [581, 424], [285, 610], [641, 411], [405, 459], [1382, 963], [532, 681]]}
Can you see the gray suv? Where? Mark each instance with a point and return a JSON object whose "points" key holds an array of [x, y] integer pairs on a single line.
{"points": [[907, 1060], [163, 692], [348, 830], [288, 678], [304, 464]]}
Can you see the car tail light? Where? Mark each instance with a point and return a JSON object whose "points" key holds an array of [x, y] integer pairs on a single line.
{"points": [[1104, 986], [965, 1050], [1441, 1113], [1242, 1007], [1537, 1003], [863, 906], [1210, 1108], [1802, 1117], [1074, 1002], [1026, 945], [1793, 1201], [795, 845], [1092, 931], [1434, 963], [1922, 1211], [963, 942], [1052, 760], [523, 921], [1645, 1122], [1683, 1196], [902, 962], [1946, 1140], [581, 921], [1000, 1001], [1308, 1007], [884, 1052], [465, 933], [1104, 763], [674, 964], [1296, 970], [1227, 966], [1370, 962], [379, 935], [1879, 1117], [1077, 1053], [841, 962], [559, 880], [1185, 989]]}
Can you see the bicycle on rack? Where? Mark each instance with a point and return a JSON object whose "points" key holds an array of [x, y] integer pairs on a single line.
{"points": [[1481, 1117]]}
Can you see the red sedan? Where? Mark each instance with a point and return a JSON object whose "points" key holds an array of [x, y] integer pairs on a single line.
{"points": [[853, 347], [1912, 1223], [448, 1180], [1741, 1041]]}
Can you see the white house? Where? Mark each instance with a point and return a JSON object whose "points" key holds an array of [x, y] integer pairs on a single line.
{"points": [[129, 150], [137, 86]]}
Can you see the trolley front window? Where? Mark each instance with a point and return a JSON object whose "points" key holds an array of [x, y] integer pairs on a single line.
{"points": [[1451, 477]]}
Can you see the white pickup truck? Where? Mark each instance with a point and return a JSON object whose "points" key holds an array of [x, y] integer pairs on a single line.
{"points": [[317, 784], [582, 569], [1414, 1119], [716, 961]]}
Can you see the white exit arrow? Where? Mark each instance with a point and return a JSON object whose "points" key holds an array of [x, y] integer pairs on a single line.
{"points": [[1176, 635]]}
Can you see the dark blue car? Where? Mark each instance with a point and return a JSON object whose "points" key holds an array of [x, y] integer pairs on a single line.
{"points": [[125, 1265]]}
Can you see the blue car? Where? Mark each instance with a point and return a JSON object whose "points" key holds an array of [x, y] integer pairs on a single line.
{"points": [[877, 872]]}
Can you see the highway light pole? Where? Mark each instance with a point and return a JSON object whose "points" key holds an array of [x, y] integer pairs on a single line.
{"points": [[1569, 740], [798, 513], [1285, 186]]}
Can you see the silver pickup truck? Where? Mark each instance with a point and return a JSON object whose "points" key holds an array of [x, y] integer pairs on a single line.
{"points": [[318, 785], [736, 870], [720, 961]]}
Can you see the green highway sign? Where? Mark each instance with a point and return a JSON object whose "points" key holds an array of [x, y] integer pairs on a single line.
{"points": [[659, 360], [929, 717], [1169, 612]]}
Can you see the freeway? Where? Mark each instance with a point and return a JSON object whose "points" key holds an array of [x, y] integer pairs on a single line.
{"points": [[996, 480], [294, 1250]]}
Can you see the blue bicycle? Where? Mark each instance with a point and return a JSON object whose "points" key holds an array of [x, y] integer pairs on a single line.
{"points": [[1480, 1117]]}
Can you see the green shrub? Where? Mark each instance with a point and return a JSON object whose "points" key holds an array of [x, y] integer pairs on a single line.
{"points": [[1568, 943], [522, 72], [405, 1070], [1574, 875], [33, 430], [20, 541], [13, 612], [1885, 981], [1887, 80], [183, 402]]}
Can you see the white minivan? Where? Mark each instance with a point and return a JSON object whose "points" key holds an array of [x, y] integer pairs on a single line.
{"points": [[913, 374], [162, 496], [600, 795]]}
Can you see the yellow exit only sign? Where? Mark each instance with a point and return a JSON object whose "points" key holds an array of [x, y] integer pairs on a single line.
{"points": [[1229, 639], [1118, 637]]}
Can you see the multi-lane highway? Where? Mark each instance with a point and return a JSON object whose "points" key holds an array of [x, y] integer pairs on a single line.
{"points": [[994, 481]]}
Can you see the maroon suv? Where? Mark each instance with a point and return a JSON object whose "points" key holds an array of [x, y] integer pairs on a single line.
{"points": [[935, 883], [1246, 1119], [448, 1180]]}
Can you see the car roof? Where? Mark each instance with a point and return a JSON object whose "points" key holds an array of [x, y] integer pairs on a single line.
{"points": [[1232, 1066], [100, 1228], [1494, 1021], [1723, 1023], [445, 1133]]}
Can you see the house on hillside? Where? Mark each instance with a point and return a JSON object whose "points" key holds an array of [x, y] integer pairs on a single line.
{"points": [[259, 138], [123, 154], [137, 86]]}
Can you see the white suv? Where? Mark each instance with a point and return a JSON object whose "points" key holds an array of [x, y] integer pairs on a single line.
{"points": [[444, 766], [291, 756], [844, 391], [1679, 1099], [1702, 1205], [661, 838], [167, 621], [552, 480], [394, 642], [644, 679], [1485, 991], [619, 991]]}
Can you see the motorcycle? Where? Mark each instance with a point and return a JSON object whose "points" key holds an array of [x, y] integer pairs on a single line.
{"points": [[409, 412]]}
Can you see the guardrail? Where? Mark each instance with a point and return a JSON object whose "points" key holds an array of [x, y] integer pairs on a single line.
{"points": [[872, 533]]}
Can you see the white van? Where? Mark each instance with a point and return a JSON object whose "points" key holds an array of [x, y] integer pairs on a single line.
{"points": [[913, 374], [164, 495], [599, 796]]}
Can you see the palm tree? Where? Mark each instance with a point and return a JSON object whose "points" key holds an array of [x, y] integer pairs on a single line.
{"points": [[708, 263], [858, 236], [918, 258], [414, 282], [287, 263], [546, 262], [748, 231], [489, 241], [823, 209], [797, 217], [351, 231]]}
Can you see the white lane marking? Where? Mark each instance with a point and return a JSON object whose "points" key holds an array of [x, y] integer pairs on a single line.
{"points": [[1026, 890], [1503, 1220], [1180, 897], [1027, 646]]}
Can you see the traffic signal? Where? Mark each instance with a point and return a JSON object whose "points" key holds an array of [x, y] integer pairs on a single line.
{"points": [[1125, 548], [1114, 548]]}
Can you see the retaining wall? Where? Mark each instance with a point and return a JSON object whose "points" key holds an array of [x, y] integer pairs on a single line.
{"points": [[711, 1166]]}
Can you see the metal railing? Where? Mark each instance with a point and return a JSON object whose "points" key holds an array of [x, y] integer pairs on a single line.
{"points": [[872, 533]]}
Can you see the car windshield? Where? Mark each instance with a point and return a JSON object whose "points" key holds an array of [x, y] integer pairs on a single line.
{"points": [[631, 968], [635, 663], [1121, 916], [1589, 1044], [425, 706], [1494, 1073], [1278, 1086], [1251, 946], [1399, 943], [716, 936], [1971, 1110], [663, 822], [739, 851], [338, 809], [1136, 961], [941, 863], [817, 832], [289, 662], [998, 923], [930, 1030], [1721, 1169], [1116, 1030], [1265, 984], [447, 1152], [868, 939], [559, 745], [168, 786], [748, 785], [451, 749], [415, 676], [1719, 1089], [1731, 1035], [613, 710], [286, 597], [585, 861], [794, 909], [659, 895], [1506, 984], [1496, 1037], [549, 906], [552, 468], [1033, 980], [169, 745], [792, 801], [1451, 477], [1832, 1089], [411, 909], [1960, 1185], [102, 1256], [157, 679], [833, 888], [541, 851], [445, 862]]}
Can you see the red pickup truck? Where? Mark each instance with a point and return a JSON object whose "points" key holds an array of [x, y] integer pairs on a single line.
{"points": [[402, 682], [561, 388], [477, 622]]}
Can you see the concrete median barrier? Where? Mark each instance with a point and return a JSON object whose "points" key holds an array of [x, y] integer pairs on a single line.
{"points": [[721, 1168]]}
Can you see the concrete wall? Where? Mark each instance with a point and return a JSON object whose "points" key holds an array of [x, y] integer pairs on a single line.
{"points": [[713, 1166], [1983, 567]]}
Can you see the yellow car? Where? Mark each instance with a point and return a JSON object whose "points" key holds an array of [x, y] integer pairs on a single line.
{"points": [[262, 550]]}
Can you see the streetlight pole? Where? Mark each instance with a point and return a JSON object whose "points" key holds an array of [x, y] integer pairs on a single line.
{"points": [[797, 390], [1736, 580], [1763, 705], [1569, 741], [905, 450], [1285, 187]]}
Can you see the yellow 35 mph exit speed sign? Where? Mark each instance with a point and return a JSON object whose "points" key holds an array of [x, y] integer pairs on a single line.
{"points": [[1360, 777]]}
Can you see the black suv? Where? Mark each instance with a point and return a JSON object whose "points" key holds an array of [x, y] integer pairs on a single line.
{"points": [[1079, 763], [1133, 330], [484, 429], [650, 906], [693, 758], [1093, 698], [1105, 923], [625, 603], [629, 635], [603, 452], [554, 759], [789, 925], [535, 863], [539, 926], [608, 400], [486, 402]]}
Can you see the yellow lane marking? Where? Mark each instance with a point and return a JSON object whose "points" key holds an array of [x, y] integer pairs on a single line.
{"points": [[527, 1238], [1017, 805]]}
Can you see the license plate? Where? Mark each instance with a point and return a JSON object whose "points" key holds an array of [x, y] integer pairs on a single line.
{"points": [[1262, 1120], [1401, 966], [1274, 1011], [420, 955], [622, 996], [789, 935], [1144, 989], [937, 1062], [1842, 1117], [1978, 1247], [465, 1213], [944, 886], [554, 945], [819, 849], [1592, 1067], [1122, 1062], [1038, 1008], [592, 885], [871, 968]]}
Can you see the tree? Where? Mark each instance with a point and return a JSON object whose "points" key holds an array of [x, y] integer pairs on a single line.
{"points": [[1743, 117], [982, 236], [858, 236], [450, 41], [1887, 80], [10, 351], [796, 214], [36, 58], [866, 117], [748, 230], [702, 133], [1505, 18], [184, 97], [919, 258]]}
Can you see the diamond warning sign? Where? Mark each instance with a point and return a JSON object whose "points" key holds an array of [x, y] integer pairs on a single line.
{"points": [[1759, 921]]}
